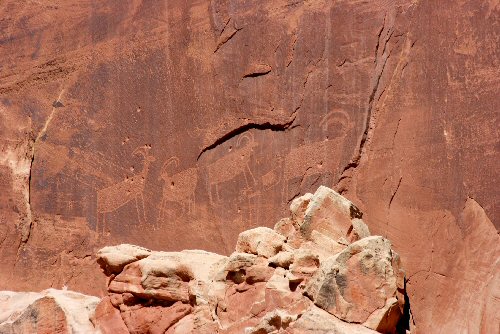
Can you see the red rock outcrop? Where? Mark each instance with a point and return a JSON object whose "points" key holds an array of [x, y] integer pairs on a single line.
{"points": [[176, 125], [310, 274], [303, 276], [48, 312]]}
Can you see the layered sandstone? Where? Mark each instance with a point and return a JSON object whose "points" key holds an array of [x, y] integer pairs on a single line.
{"points": [[180, 124]]}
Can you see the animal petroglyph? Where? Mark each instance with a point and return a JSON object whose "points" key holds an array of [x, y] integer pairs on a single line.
{"points": [[179, 187], [232, 165], [117, 195], [316, 157]]}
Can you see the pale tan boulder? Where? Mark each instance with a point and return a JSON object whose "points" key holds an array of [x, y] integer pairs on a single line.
{"points": [[282, 259], [318, 321], [113, 258], [50, 311], [197, 264], [329, 213], [304, 265], [285, 227], [279, 281], [321, 245], [166, 276], [290, 229], [272, 322], [260, 272], [299, 206], [358, 231], [261, 241]]}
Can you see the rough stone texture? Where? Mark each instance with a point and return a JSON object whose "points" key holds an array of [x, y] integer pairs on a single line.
{"points": [[328, 213], [174, 124], [107, 318], [115, 258], [50, 311], [267, 285], [358, 282], [260, 241]]}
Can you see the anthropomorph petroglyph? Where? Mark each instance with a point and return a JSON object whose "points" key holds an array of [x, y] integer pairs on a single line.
{"points": [[179, 187], [117, 195], [232, 165]]}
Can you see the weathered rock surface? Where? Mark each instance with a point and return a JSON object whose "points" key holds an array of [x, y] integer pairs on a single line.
{"points": [[50, 311], [275, 281], [179, 124]]}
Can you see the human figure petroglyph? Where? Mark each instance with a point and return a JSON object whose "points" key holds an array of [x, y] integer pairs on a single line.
{"points": [[179, 187], [117, 195], [232, 165]]}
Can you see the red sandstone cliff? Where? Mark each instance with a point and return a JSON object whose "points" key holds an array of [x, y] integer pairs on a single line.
{"points": [[174, 124]]}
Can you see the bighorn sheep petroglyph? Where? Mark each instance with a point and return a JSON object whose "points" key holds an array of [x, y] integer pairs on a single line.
{"points": [[232, 165], [117, 195], [179, 187], [317, 157]]}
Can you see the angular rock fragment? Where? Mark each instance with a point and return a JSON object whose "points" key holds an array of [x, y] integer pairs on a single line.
{"points": [[318, 321], [329, 213], [113, 259], [261, 241]]}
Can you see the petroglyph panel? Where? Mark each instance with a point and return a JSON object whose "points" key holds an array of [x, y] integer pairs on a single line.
{"points": [[117, 195], [178, 187], [234, 163]]}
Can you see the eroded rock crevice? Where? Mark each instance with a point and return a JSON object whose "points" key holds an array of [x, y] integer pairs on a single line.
{"points": [[248, 127], [376, 90]]}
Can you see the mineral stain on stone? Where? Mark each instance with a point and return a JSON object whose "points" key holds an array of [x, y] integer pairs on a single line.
{"points": [[57, 104]]}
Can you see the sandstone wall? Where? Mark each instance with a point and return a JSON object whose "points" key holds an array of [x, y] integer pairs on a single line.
{"points": [[174, 124]]}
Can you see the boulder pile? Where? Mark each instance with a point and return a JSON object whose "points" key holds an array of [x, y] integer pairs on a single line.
{"points": [[318, 271]]}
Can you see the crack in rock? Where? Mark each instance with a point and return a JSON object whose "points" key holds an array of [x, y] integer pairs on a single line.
{"points": [[380, 65], [244, 128]]}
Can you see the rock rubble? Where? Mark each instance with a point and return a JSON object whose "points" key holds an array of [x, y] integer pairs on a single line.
{"points": [[318, 271]]}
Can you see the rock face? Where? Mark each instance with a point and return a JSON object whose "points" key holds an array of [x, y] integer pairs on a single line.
{"points": [[50, 311], [281, 280], [179, 124]]}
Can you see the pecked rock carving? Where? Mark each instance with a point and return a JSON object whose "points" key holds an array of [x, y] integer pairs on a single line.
{"points": [[231, 165], [117, 195], [179, 187]]}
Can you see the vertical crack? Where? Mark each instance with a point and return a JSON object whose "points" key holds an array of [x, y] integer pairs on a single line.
{"points": [[381, 58], [395, 191], [27, 226]]}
